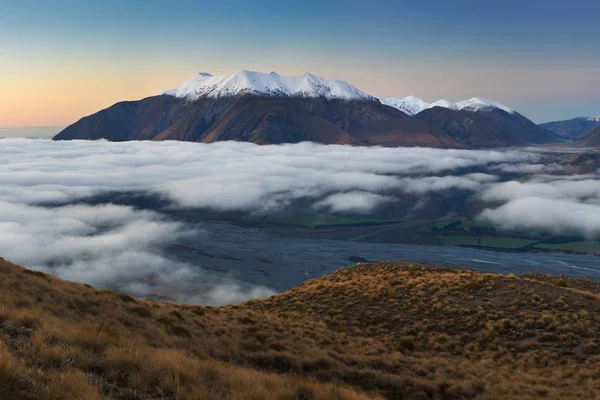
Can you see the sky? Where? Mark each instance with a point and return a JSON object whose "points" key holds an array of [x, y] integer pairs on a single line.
{"points": [[65, 59]]}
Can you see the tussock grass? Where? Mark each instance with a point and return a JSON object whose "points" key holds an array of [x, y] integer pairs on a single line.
{"points": [[392, 330]]}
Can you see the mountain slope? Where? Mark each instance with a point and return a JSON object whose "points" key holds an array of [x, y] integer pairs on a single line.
{"points": [[573, 129], [259, 108], [486, 126], [591, 139], [394, 329]]}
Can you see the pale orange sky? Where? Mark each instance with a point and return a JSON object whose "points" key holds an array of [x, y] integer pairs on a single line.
{"points": [[61, 95], [61, 60]]}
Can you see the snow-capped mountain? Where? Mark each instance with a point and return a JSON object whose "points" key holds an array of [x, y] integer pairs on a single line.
{"points": [[593, 119], [263, 108], [269, 108], [266, 84], [412, 105], [479, 104], [482, 123]]}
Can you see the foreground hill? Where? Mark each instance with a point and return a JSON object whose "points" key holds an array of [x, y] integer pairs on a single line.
{"points": [[260, 108], [395, 330], [573, 129]]}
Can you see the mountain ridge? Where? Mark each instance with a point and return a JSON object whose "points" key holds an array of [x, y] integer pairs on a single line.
{"points": [[413, 105], [267, 108], [574, 128], [266, 84], [259, 119], [489, 129]]}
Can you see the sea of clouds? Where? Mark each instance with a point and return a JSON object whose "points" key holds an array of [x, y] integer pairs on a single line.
{"points": [[116, 246]]}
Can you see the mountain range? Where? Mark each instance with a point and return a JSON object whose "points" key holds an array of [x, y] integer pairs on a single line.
{"points": [[267, 108], [573, 129]]}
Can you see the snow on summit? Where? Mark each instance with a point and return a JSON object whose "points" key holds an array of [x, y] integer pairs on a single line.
{"points": [[267, 84], [477, 104], [412, 105], [204, 84]]}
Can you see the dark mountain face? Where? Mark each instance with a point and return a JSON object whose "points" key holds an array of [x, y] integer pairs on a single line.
{"points": [[592, 139], [486, 128], [572, 129], [258, 119]]}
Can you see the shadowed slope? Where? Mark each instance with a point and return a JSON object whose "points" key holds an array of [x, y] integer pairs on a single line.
{"points": [[592, 139], [258, 119], [573, 129], [486, 128]]}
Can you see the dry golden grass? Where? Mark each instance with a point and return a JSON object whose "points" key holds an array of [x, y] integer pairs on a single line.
{"points": [[392, 330]]}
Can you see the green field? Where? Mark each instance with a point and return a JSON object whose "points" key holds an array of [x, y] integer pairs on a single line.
{"points": [[579, 247], [447, 231]]}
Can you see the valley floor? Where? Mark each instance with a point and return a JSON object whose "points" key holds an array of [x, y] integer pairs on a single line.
{"points": [[377, 330]]}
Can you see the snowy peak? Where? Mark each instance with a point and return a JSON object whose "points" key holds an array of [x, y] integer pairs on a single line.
{"points": [[593, 119], [266, 84], [412, 105], [272, 84], [441, 103], [479, 104]]}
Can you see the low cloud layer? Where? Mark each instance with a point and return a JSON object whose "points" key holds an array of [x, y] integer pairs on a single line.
{"points": [[113, 247], [560, 203], [353, 202], [116, 246], [558, 216], [227, 175]]}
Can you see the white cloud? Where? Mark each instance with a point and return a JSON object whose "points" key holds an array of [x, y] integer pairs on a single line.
{"points": [[551, 214], [559, 203], [558, 187], [225, 175], [420, 185], [110, 245], [356, 202], [525, 168]]}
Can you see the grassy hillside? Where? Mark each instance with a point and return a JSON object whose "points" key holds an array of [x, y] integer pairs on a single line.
{"points": [[391, 330]]}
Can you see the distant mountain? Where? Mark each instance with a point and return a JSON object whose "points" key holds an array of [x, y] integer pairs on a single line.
{"points": [[267, 108], [412, 105], [261, 108], [573, 129], [476, 122], [592, 139]]}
